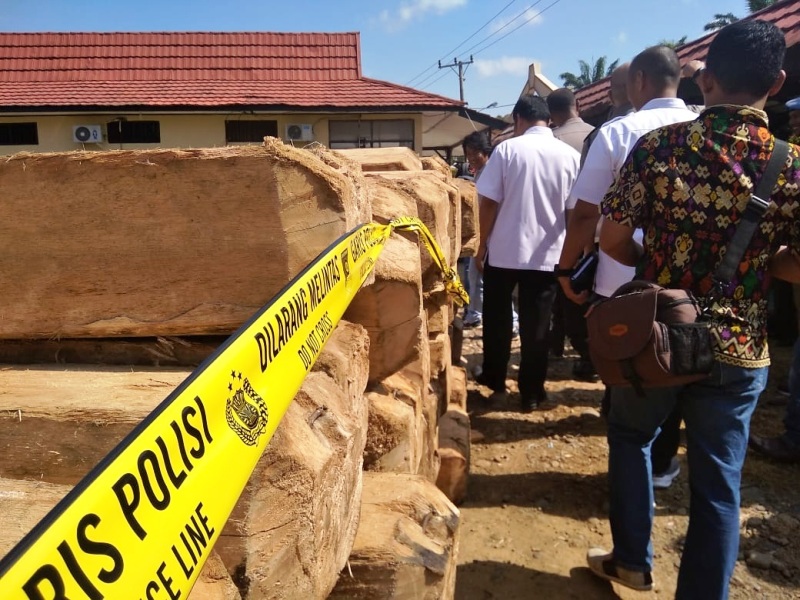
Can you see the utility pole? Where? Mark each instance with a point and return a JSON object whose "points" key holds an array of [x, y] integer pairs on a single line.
{"points": [[462, 68]]}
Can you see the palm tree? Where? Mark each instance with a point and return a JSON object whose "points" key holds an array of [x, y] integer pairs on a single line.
{"points": [[589, 73], [756, 5], [674, 44], [720, 21]]}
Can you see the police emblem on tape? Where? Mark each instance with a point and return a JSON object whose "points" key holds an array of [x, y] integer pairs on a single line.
{"points": [[246, 412]]}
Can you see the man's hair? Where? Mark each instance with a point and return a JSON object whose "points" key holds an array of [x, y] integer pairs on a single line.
{"points": [[660, 64], [747, 56], [561, 101], [531, 108], [478, 141]]}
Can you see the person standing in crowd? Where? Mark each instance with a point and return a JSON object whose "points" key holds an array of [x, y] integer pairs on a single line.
{"points": [[477, 149], [567, 123], [653, 78], [707, 169], [524, 187], [786, 447], [567, 318]]}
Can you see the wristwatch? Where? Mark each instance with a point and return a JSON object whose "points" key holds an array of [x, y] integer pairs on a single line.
{"points": [[559, 272]]}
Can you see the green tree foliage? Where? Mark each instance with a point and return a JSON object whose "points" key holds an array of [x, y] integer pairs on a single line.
{"points": [[589, 73], [756, 5], [720, 21], [674, 44]]}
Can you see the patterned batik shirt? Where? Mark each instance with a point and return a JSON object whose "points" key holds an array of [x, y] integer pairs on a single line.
{"points": [[687, 186]]}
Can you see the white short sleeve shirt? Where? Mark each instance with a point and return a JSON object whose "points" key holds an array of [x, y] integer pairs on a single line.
{"points": [[609, 150], [530, 177]]}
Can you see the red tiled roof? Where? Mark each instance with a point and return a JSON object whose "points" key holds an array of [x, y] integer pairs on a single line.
{"points": [[194, 69], [785, 15], [349, 93]]}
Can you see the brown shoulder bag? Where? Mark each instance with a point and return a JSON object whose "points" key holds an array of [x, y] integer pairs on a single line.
{"points": [[645, 335]]}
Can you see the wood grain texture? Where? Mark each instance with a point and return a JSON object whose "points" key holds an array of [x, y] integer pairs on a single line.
{"points": [[162, 242]]}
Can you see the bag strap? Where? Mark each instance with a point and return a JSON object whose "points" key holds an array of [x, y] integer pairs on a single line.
{"points": [[756, 207]]}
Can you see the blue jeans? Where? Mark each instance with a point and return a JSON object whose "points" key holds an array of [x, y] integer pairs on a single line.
{"points": [[792, 418], [717, 414], [472, 281]]}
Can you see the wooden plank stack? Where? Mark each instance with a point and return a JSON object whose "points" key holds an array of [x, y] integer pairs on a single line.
{"points": [[151, 258]]}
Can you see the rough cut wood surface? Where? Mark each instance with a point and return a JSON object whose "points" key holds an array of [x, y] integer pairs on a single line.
{"points": [[433, 208], [384, 159], [25, 503], [391, 309], [438, 164], [470, 224], [161, 242], [293, 528], [157, 352], [454, 452], [407, 542], [396, 429], [297, 518]]}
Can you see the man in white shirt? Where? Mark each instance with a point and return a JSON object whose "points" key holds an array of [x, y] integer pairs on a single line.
{"points": [[653, 78], [524, 187]]}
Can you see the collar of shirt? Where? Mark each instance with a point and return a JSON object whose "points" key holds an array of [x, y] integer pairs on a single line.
{"points": [[538, 130], [722, 114], [664, 103], [572, 121]]}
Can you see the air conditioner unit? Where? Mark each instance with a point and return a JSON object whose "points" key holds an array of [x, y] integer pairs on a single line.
{"points": [[299, 132], [87, 134]]}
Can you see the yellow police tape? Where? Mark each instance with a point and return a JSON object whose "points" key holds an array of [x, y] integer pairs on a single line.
{"points": [[143, 521]]}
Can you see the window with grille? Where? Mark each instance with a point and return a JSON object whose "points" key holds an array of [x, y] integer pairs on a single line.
{"points": [[19, 134], [249, 131], [134, 132], [371, 134]]}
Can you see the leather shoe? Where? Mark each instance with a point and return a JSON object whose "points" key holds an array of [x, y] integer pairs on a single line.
{"points": [[776, 448]]}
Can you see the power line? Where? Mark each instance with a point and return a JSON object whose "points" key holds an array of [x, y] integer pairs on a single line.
{"points": [[494, 33], [541, 12], [476, 32], [423, 85], [521, 25]]}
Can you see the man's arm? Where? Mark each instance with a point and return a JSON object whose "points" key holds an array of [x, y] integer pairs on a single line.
{"points": [[487, 215], [581, 225], [616, 240], [785, 265]]}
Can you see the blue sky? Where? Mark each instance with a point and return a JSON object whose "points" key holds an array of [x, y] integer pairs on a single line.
{"points": [[401, 40]]}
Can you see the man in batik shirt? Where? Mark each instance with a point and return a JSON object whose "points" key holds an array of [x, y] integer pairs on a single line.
{"points": [[687, 186]]}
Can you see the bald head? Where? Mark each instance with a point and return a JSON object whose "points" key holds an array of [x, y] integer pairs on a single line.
{"points": [[654, 73], [619, 85]]}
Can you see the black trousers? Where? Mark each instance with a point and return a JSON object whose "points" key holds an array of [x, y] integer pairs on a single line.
{"points": [[569, 321], [536, 290]]}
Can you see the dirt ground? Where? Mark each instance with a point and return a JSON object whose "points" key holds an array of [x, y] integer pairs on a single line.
{"points": [[538, 499]]}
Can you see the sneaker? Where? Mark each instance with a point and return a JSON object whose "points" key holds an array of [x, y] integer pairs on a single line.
{"points": [[662, 481], [530, 404], [472, 320], [584, 370], [601, 563]]}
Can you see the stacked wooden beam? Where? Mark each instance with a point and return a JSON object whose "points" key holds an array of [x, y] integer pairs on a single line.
{"points": [[151, 258], [410, 386]]}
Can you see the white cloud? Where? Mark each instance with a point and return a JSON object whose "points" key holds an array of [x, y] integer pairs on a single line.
{"points": [[416, 9], [620, 38], [505, 65], [531, 15]]}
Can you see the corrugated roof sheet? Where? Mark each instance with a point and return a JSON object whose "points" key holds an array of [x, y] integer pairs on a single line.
{"points": [[785, 15], [193, 69]]}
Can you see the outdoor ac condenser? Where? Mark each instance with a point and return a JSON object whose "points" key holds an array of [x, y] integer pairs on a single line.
{"points": [[87, 134], [299, 132]]}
